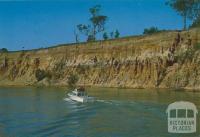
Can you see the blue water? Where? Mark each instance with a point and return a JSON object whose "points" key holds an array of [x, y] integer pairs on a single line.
{"points": [[42, 112]]}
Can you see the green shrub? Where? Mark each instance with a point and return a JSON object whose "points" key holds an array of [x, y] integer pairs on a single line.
{"points": [[40, 74], [105, 36], [72, 80], [3, 50], [150, 30]]}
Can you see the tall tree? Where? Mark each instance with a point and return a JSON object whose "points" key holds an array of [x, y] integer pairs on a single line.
{"points": [[112, 35], [76, 36], [97, 24], [117, 34], [105, 36], [196, 13], [184, 8]]}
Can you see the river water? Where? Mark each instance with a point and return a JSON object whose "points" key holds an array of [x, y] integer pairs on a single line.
{"points": [[42, 112]]}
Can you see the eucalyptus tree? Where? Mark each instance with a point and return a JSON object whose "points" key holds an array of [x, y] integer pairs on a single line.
{"points": [[97, 24], [185, 8]]}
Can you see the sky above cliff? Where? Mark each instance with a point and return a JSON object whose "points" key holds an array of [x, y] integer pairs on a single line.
{"points": [[36, 24]]}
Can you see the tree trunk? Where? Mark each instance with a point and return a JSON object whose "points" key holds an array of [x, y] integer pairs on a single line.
{"points": [[94, 32], [184, 22]]}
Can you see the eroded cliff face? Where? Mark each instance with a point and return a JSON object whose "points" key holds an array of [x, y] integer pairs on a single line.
{"points": [[163, 60]]}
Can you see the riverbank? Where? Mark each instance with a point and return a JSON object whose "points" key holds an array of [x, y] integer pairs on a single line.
{"points": [[168, 59]]}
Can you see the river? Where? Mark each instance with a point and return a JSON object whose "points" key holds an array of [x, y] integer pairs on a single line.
{"points": [[42, 112]]}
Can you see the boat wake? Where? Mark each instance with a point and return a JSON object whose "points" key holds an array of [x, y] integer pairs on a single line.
{"points": [[109, 102], [105, 101]]}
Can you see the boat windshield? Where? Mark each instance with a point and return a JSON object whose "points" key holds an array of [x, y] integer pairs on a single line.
{"points": [[81, 94]]}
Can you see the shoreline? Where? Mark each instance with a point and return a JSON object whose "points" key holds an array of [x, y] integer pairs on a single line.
{"points": [[95, 86]]}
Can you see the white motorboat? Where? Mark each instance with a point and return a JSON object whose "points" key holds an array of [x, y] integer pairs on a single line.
{"points": [[80, 95]]}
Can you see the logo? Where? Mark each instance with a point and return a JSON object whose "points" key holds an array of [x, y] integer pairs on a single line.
{"points": [[181, 117]]}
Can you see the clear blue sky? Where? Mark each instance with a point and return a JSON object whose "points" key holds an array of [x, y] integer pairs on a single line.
{"points": [[35, 24]]}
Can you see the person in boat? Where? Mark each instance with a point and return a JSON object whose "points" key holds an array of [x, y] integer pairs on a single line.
{"points": [[81, 91]]}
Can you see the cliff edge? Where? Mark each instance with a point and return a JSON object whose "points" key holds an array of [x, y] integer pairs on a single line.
{"points": [[168, 59]]}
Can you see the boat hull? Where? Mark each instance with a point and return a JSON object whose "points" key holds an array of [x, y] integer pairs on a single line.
{"points": [[78, 99]]}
